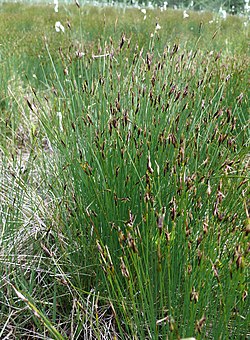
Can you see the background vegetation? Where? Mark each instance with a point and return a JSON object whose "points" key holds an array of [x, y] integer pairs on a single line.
{"points": [[124, 184], [236, 5], [231, 6]]}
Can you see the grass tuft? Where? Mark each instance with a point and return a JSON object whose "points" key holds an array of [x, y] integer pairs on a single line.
{"points": [[124, 183]]}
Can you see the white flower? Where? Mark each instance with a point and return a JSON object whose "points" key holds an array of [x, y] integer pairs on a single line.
{"points": [[246, 6], [59, 27], [222, 13], [164, 7], [185, 14], [150, 5], [56, 6], [143, 10], [157, 27]]}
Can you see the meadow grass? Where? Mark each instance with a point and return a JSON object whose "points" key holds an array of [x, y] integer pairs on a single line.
{"points": [[124, 174]]}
